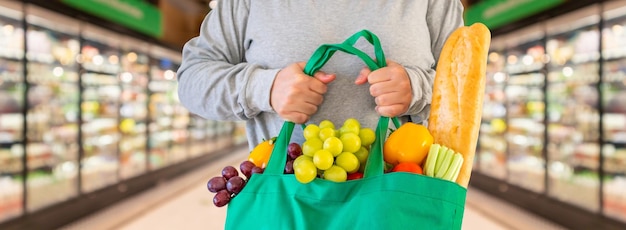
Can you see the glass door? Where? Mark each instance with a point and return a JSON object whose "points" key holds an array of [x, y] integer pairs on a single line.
{"points": [[52, 117], [573, 102], [101, 92], [133, 123], [492, 148], [198, 136], [12, 89], [614, 104], [525, 108], [165, 122]]}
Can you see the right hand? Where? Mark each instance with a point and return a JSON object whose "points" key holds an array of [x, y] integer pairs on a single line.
{"points": [[296, 96]]}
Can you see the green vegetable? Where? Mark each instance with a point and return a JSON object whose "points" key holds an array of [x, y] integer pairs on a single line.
{"points": [[429, 166], [443, 162]]}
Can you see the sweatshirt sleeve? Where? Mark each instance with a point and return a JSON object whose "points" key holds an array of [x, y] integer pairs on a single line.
{"points": [[442, 18], [214, 80]]}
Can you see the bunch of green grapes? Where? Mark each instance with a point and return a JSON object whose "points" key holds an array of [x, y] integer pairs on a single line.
{"points": [[333, 154]]}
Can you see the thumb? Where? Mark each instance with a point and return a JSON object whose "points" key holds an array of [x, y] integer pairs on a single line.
{"points": [[324, 77], [362, 78]]}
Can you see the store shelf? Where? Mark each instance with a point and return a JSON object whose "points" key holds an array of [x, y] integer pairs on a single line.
{"points": [[53, 96], [84, 112], [574, 120], [525, 108], [11, 117], [565, 120], [613, 87]]}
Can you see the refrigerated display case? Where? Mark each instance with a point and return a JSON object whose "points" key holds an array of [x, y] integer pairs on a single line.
{"points": [[224, 132], [100, 104], [492, 146], [525, 105], [169, 121], [87, 114], [613, 89], [565, 118], [12, 88], [52, 113], [133, 123], [573, 108], [203, 136]]}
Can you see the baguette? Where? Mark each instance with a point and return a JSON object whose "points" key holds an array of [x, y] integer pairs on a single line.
{"points": [[458, 91]]}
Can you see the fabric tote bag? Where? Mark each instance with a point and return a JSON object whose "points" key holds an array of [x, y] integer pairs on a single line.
{"points": [[379, 200]]}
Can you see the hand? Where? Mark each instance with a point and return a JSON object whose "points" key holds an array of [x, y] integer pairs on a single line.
{"points": [[296, 96], [391, 88]]}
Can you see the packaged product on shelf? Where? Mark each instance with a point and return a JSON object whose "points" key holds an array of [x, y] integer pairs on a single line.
{"points": [[573, 103]]}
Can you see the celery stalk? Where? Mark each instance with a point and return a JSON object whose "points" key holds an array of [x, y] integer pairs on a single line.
{"points": [[454, 167], [445, 165], [429, 166], [458, 168], [440, 157]]}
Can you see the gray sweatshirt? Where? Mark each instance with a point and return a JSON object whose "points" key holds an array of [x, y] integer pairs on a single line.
{"points": [[228, 70]]}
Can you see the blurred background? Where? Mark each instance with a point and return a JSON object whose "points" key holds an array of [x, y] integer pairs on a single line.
{"points": [[89, 114]]}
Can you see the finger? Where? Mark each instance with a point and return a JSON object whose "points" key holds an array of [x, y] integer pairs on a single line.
{"points": [[392, 99], [379, 75], [391, 110], [313, 98], [295, 111], [295, 117], [318, 86], [324, 77], [386, 87], [392, 71], [362, 78]]}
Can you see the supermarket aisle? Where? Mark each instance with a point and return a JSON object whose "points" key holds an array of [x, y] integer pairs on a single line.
{"points": [[186, 204]]}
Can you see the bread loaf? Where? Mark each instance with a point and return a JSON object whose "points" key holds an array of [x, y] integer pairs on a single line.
{"points": [[458, 91]]}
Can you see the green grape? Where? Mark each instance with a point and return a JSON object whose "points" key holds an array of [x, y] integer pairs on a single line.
{"points": [[348, 161], [351, 125], [300, 159], [311, 131], [362, 155], [309, 147], [326, 133], [323, 159], [352, 122], [368, 136], [343, 130], [333, 145], [327, 124], [336, 174], [305, 171], [351, 142]]}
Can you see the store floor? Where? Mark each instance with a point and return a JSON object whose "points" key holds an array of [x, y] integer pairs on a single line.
{"points": [[184, 203]]}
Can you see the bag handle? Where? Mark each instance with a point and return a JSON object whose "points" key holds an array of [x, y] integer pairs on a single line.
{"points": [[375, 165]]}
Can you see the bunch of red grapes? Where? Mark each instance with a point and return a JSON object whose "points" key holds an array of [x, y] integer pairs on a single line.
{"points": [[229, 184]]}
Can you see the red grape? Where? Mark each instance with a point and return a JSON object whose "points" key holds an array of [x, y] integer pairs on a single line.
{"points": [[289, 167], [294, 151], [221, 198], [229, 172], [257, 170], [246, 168], [235, 184], [216, 184]]}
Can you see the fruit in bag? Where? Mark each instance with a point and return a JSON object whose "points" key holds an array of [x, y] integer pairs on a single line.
{"points": [[261, 153], [409, 143]]}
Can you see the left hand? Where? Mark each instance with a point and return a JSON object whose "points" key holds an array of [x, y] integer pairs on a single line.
{"points": [[391, 88]]}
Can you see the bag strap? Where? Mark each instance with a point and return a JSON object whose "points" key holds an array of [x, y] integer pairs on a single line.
{"points": [[375, 164]]}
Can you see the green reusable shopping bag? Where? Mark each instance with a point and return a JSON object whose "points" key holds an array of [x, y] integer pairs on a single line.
{"points": [[398, 200]]}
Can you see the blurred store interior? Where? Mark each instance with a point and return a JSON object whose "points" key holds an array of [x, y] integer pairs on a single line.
{"points": [[90, 120]]}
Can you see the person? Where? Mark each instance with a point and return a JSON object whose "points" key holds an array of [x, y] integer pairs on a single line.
{"points": [[247, 62]]}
